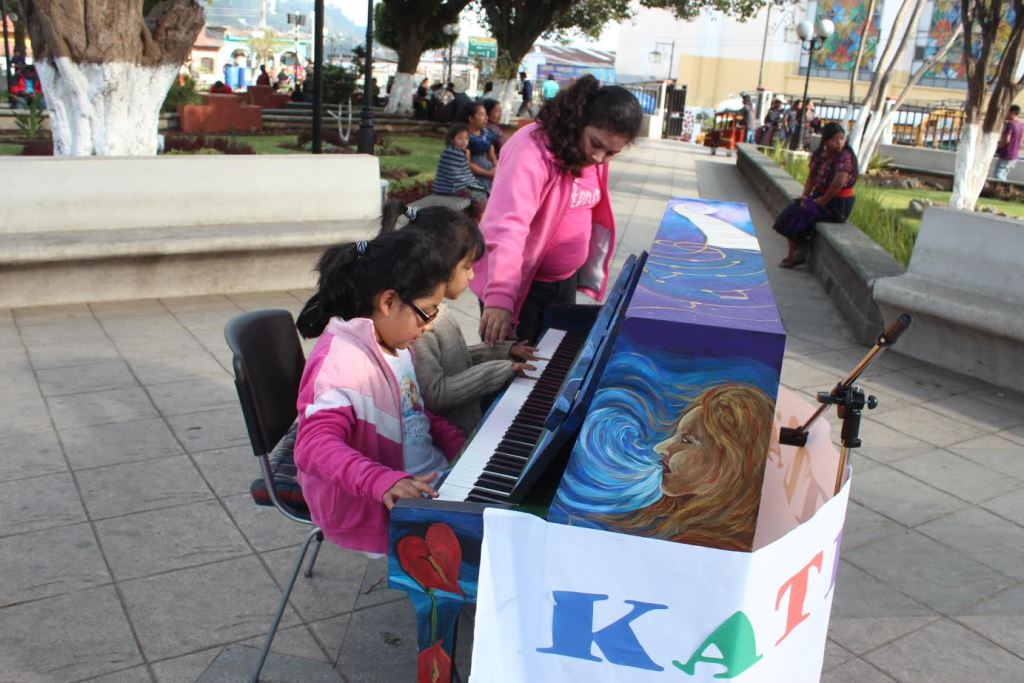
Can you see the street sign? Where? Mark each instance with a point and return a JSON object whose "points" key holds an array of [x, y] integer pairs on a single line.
{"points": [[485, 48]]}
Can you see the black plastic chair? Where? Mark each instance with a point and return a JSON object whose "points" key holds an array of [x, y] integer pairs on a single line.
{"points": [[268, 363]]}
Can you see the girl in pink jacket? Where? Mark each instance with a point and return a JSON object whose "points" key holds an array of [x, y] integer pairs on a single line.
{"points": [[364, 437], [549, 224]]}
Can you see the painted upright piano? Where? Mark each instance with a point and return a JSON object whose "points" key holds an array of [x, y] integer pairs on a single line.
{"points": [[652, 417]]}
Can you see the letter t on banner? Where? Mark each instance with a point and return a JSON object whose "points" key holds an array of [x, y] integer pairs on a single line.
{"points": [[797, 586]]}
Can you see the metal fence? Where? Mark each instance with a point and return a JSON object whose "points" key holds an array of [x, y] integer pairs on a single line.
{"points": [[919, 124], [661, 98]]}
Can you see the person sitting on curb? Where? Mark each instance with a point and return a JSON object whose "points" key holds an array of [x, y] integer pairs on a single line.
{"points": [[827, 195]]}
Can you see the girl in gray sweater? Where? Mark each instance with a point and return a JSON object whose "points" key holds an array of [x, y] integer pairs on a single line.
{"points": [[453, 376]]}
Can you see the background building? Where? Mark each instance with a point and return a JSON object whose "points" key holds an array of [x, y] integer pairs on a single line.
{"points": [[719, 57]]}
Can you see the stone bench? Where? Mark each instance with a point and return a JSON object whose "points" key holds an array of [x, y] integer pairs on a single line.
{"points": [[965, 289], [102, 228]]}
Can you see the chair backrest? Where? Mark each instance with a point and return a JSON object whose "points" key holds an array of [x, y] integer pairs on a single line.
{"points": [[268, 363]]}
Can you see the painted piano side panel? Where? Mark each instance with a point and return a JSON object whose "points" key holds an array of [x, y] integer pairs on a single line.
{"points": [[675, 442]]}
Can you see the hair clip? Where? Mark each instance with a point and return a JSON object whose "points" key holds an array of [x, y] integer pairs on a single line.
{"points": [[411, 212], [361, 247]]}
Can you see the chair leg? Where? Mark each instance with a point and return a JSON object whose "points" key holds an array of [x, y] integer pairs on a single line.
{"points": [[316, 552], [315, 533]]}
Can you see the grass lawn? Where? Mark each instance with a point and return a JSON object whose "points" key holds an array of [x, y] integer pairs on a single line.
{"points": [[421, 162], [898, 199], [419, 165], [265, 144]]}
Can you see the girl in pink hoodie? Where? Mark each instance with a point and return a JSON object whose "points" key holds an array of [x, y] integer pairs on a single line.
{"points": [[364, 438], [548, 223]]}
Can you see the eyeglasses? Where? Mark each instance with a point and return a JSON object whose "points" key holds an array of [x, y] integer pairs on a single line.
{"points": [[423, 315]]}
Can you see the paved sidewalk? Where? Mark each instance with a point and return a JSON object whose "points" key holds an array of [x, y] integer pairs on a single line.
{"points": [[131, 551]]}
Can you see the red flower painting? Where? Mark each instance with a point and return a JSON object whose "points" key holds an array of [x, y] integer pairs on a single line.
{"points": [[432, 561], [434, 665]]}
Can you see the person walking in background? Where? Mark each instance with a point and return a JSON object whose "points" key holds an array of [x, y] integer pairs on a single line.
{"points": [[749, 119], [264, 78], [796, 109], [549, 225], [550, 88], [526, 89], [421, 100], [1009, 144], [827, 196]]}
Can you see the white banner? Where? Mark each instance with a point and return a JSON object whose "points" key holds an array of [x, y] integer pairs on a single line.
{"points": [[559, 603]]}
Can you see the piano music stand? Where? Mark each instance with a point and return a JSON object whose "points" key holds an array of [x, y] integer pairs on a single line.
{"points": [[849, 400]]}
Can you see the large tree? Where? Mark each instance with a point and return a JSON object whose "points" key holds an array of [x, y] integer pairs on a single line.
{"points": [[411, 27], [994, 35], [106, 68], [516, 25]]}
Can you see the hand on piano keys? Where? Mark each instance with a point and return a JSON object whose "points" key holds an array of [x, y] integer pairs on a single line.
{"points": [[416, 487], [492, 461]]}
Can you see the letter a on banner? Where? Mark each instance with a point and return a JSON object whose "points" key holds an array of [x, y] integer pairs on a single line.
{"points": [[572, 631], [734, 638]]}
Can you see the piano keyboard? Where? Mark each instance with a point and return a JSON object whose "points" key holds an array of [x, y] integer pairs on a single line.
{"points": [[491, 463]]}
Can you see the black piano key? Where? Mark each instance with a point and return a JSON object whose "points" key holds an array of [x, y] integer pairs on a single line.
{"points": [[512, 449], [523, 433], [499, 484], [497, 467], [498, 478], [476, 496], [488, 490]]}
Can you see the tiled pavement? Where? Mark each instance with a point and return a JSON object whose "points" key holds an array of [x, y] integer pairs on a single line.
{"points": [[130, 550]]}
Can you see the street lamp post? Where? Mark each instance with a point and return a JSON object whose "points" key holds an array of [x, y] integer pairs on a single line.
{"points": [[7, 49], [297, 20], [450, 30], [815, 35], [318, 81], [655, 55], [366, 122]]}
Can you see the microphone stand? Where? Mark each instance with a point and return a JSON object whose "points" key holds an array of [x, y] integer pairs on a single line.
{"points": [[849, 400]]}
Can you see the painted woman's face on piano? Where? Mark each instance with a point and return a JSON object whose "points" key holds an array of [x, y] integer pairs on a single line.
{"points": [[684, 456]]}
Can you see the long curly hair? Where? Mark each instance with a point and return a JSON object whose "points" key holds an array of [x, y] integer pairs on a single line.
{"points": [[586, 103], [722, 511]]}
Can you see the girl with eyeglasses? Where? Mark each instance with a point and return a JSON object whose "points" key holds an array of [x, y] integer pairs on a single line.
{"points": [[365, 438]]}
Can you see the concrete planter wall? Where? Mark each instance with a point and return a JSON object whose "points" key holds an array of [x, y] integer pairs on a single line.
{"points": [[846, 261]]}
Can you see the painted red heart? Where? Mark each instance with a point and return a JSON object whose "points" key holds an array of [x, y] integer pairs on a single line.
{"points": [[433, 665], [432, 561]]}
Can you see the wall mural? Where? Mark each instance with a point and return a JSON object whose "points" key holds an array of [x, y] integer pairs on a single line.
{"points": [[840, 51], [945, 18]]}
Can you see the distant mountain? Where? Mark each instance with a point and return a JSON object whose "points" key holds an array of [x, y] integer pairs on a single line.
{"points": [[247, 14]]}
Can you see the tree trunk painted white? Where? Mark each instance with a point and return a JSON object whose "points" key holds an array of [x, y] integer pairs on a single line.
{"points": [[507, 97], [400, 97], [973, 158], [110, 109]]}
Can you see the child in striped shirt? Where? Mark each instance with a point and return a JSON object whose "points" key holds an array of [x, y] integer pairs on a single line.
{"points": [[453, 175]]}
